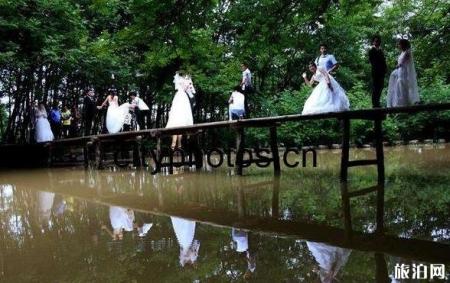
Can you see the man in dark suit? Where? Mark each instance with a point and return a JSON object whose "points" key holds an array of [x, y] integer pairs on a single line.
{"points": [[379, 69], [89, 111]]}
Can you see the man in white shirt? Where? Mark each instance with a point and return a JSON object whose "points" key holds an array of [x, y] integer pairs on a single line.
{"points": [[326, 61], [237, 104], [246, 82], [141, 109], [246, 85]]}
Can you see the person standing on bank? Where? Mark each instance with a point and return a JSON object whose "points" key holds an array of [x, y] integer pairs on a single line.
{"points": [[237, 104], [379, 69], [246, 84], [326, 61], [403, 89], [89, 111], [140, 109]]}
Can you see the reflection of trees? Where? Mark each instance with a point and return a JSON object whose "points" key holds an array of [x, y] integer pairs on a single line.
{"points": [[416, 206]]}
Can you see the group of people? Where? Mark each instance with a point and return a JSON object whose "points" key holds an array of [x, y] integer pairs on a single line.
{"points": [[327, 96], [55, 124]]}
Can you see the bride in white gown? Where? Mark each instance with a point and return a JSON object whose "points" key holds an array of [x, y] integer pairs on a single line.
{"points": [[181, 112], [43, 131], [115, 116], [327, 96], [403, 89]]}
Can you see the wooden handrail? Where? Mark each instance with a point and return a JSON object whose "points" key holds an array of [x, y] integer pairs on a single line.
{"points": [[269, 121]]}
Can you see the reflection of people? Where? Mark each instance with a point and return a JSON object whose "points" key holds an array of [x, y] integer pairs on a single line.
{"points": [[141, 109], [181, 112], [237, 104], [403, 89], [143, 223], [185, 232], [240, 240], [379, 68], [115, 116], [121, 220], [327, 96], [43, 132], [45, 207], [330, 259]]}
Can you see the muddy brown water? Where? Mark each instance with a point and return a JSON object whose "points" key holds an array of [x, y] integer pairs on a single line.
{"points": [[75, 225]]}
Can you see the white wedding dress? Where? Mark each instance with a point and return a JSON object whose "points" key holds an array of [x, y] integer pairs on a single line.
{"points": [[43, 132], [121, 218], [185, 231], [115, 116], [180, 113], [330, 259], [322, 99], [403, 89]]}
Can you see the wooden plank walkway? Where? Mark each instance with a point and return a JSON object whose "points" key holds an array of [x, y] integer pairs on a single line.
{"points": [[365, 114], [93, 145]]}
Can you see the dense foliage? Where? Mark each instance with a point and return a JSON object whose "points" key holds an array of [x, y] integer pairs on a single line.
{"points": [[55, 49]]}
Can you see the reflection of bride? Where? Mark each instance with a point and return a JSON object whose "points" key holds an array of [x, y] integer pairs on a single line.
{"points": [[121, 219], [330, 259], [115, 116], [45, 207], [185, 231]]}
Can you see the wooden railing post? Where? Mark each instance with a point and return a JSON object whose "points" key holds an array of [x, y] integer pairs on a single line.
{"points": [[87, 150], [346, 209], [344, 177], [380, 210], [276, 197], [345, 149], [378, 125], [98, 155], [240, 145], [379, 149], [137, 152], [274, 149], [49, 154]]}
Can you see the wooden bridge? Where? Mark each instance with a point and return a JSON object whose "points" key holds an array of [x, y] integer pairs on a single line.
{"points": [[94, 146]]}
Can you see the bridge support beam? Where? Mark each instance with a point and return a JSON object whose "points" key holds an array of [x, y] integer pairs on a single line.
{"points": [[240, 145], [274, 149], [137, 152]]}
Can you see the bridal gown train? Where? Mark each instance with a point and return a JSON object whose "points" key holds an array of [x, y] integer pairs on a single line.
{"points": [[403, 89], [185, 231], [115, 116], [43, 131], [181, 112], [323, 99]]}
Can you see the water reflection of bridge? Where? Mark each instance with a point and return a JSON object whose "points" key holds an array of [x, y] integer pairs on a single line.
{"points": [[161, 202]]}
